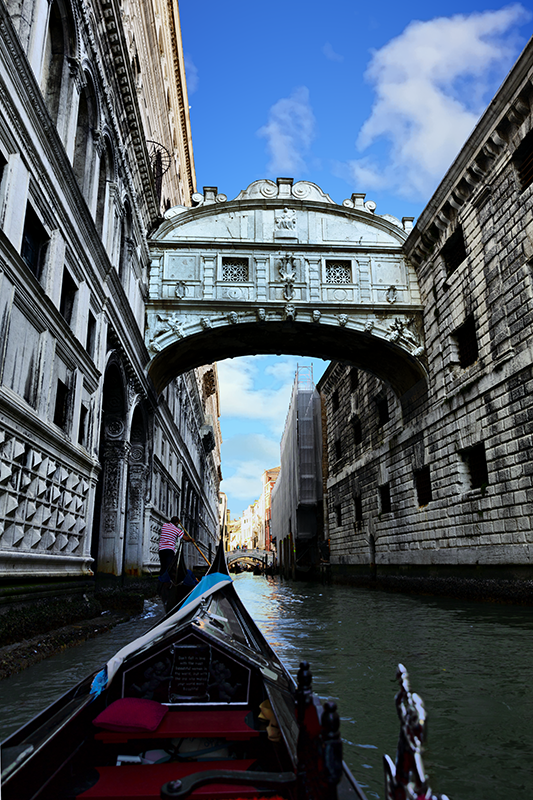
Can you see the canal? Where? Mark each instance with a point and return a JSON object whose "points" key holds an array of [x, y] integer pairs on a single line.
{"points": [[471, 663]]}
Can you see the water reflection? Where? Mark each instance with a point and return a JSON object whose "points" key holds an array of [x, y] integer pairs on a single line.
{"points": [[469, 662], [29, 692]]}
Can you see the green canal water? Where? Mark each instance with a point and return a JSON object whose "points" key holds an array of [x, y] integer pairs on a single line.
{"points": [[470, 662]]}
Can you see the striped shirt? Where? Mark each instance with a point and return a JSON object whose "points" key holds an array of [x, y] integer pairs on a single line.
{"points": [[169, 535]]}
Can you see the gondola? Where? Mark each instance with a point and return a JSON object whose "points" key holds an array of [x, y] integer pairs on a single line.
{"points": [[201, 707]]}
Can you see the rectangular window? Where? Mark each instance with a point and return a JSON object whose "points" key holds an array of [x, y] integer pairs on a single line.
{"points": [[358, 508], [235, 270], [466, 339], [35, 242], [338, 514], [61, 406], [338, 271], [476, 462], [357, 430], [423, 486], [69, 289], [91, 335], [3, 165], [383, 411], [523, 161], [338, 449], [384, 499], [335, 400], [354, 378], [82, 432], [454, 250]]}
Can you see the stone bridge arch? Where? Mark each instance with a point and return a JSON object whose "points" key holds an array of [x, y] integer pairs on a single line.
{"points": [[284, 269]]}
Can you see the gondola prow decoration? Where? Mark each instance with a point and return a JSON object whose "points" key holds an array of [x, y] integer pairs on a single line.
{"points": [[406, 779]]}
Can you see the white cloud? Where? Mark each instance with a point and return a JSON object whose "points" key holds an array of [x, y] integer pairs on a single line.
{"points": [[330, 53], [192, 74], [240, 398], [431, 84], [248, 456], [289, 132]]}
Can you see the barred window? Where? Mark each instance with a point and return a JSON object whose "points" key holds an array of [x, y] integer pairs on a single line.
{"points": [[523, 161], [338, 271], [383, 410], [454, 250], [235, 270], [357, 430], [423, 486], [467, 345], [476, 461], [384, 499], [358, 508]]}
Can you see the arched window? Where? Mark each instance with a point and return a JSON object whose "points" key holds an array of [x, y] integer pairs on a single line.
{"points": [[82, 158], [105, 176], [59, 44], [126, 240]]}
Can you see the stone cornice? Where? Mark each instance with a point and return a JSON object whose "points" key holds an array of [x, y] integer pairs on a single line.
{"points": [[490, 142], [119, 51], [181, 88]]}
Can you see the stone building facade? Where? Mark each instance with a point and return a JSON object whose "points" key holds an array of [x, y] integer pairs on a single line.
{"points": [[441, 485], [297, 496], [94, 146]]}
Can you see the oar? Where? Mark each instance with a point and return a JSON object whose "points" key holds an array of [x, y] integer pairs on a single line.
{"points": [[194, 543]]}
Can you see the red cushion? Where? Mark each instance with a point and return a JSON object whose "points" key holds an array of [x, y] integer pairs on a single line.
{"points": [[131, 714]]}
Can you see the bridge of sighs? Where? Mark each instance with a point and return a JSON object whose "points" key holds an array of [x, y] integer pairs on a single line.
{"points": [[284, 269]]}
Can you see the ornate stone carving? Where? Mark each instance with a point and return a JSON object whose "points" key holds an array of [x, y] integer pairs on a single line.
{"points": [[288, 276], [343, 319], [154, 347], [316, 315], [233, 317], [392, 294], [289, 313], [286, 220], [206, 323], [180, 290], [261, 314], [114, 427]]}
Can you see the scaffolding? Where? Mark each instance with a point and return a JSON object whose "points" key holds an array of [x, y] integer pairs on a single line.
{"points": [[297, 494]]}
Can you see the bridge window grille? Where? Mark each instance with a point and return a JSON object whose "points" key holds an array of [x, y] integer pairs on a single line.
{"points": [[235, 270], [338, 272]]}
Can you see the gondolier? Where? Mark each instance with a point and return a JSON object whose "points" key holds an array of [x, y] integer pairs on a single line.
{"points": [[170, 533]]}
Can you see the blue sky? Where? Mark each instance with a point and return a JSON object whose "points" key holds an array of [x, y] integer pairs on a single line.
{"points": [[356, 97]]}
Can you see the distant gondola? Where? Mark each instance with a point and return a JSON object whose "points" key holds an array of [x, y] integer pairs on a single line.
{"points": [[199, 706]]}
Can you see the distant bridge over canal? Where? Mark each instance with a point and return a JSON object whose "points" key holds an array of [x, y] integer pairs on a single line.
{"points": [[250, 556]]}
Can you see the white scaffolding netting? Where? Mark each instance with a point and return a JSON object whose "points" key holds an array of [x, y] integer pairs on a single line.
{"points": [[298, 490]]}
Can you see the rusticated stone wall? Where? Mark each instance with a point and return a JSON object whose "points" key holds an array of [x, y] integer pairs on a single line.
{"points": [[443, 487]]}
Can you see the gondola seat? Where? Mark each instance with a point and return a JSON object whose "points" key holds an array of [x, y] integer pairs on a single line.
{"points": [[144, 782], [225, 723]]}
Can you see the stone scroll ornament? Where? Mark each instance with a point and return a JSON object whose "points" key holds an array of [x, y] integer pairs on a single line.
{"points": [[406, 779]]}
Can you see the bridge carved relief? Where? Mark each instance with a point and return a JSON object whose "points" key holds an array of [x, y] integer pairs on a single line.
{"points": [[283, 269]]}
